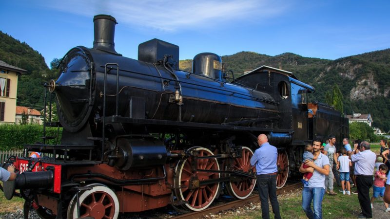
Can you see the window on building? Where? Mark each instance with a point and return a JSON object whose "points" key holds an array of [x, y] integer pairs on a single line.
{"points": [[5, 84], [2, 111], [283, 90]]}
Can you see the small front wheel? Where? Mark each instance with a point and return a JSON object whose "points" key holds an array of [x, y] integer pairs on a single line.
{"points": [[98, 202]]}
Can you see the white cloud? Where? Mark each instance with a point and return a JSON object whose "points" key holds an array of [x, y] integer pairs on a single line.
{"points": [[173, 15]]}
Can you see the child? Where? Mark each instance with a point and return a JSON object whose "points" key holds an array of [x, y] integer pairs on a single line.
{"points": [[343, 164], [307, 155], [379, 185]]}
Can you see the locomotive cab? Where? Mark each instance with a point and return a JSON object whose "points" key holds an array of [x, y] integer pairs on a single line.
{"points": [[288, 92]]}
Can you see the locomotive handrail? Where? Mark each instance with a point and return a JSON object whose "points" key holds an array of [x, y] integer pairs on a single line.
{"points": [[192, 125], [44, 117], [104, 102], [90, 85]]}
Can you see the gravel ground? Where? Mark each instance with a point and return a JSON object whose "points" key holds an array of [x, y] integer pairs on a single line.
{"points": [[378, 212], [19, 215]]}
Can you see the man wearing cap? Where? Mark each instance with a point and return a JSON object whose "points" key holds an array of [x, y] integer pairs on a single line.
{"points": [[265, 160]]}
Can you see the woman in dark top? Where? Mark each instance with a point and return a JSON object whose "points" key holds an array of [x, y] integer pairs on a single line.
{"points": [[386, 157]]}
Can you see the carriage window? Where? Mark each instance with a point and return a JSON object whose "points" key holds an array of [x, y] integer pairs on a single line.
{"points": [[303, 96], [283, 90]]}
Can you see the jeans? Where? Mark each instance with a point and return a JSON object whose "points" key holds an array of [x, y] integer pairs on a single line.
{"points": [[364, 183], [344, 176], [316, 194], [267, 188]]}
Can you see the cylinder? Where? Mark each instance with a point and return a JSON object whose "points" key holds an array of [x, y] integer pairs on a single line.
{"points": [[142, 152], [34, 180]]}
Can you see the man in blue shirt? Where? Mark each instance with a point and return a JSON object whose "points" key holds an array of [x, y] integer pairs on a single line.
{"points": [[315, 190], [265, 160], [347, 146]]}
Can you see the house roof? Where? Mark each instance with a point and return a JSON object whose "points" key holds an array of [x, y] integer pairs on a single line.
{"points": [[9, 67], [359, 116], [28, 111], [265, 67]]}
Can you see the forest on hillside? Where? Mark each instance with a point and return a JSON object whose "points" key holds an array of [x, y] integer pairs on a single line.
{"points": [[20, 54]]}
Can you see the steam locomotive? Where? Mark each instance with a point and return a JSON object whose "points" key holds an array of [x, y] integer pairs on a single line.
{"points": [[141, 134]]}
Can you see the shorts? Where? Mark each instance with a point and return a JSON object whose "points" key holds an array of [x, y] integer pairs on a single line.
{"points": [[344, 176], [379, 191]]}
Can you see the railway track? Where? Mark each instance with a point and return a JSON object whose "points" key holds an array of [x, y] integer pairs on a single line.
{"points": [[237, 203]]}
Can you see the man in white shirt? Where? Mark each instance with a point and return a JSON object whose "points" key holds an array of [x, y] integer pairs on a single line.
{"points": [[364, 160]]}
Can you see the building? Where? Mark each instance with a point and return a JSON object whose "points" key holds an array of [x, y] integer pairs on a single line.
{"points": [[32, 116], [358, 117], [9, 88], [378, 131]]}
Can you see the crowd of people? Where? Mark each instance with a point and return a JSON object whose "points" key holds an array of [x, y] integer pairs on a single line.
{"points": [[353, 166], [321, 162]]}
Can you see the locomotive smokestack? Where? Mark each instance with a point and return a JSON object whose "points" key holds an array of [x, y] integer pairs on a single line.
{"points": [[104, 33]]}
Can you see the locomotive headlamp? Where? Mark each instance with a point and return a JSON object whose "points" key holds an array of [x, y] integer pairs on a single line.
{"points": [[52, 85]]}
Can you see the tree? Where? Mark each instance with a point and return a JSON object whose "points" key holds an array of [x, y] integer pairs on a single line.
{"points": [[338, 99], [335, 98], [362, 131], [24, 120]]}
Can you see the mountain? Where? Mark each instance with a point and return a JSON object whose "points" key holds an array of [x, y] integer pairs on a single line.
{"points": [[363, 79], [20, 54]]}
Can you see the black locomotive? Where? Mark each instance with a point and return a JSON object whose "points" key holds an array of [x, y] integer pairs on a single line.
{"points": [[141, 134]]}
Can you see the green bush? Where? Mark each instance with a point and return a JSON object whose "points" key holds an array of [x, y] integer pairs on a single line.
{"points": [[16, 136], [362, 131]]}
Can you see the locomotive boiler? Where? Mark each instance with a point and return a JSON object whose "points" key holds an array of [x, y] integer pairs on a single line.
{"points": [[142, 134]]}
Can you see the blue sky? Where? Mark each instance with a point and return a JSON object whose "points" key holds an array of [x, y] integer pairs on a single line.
{"points": [[328, 29]]}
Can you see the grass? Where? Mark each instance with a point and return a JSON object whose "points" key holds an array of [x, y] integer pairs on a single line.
{"points": [[376, 148], [8, 206], [339, 206]]}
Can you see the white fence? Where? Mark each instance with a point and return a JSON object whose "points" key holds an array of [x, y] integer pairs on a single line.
{"points": [[4, 155]]}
